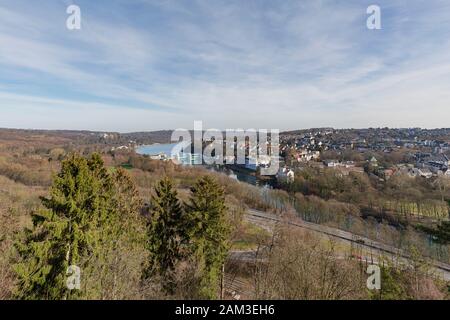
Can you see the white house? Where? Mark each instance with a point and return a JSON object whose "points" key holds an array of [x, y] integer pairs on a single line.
{"points": [[286, 175], [331, 163], [426, 173]]}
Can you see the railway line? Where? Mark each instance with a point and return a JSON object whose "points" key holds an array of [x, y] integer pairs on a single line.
{"points": [[441, 269]]}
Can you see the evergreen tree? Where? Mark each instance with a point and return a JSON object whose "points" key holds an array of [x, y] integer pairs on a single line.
{"points": [[165, 233], [82, 225], [209, 231], [441, 233]]}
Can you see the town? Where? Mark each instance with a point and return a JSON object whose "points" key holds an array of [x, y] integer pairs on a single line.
{"points": [[378, 152], [381, 152]]}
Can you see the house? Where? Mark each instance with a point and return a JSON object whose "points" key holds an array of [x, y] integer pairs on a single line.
{"points": [[254, 162], [120, 148], [413, 172], [435, 163], [286, 174], [331, 163], [160, 156], [348, 164], [373, 162], [290, 176], [305, 155], [426, 173]]}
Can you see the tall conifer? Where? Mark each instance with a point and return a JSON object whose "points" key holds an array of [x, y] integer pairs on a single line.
{"points": [[89, 214], [209, 231], [165, 233]]}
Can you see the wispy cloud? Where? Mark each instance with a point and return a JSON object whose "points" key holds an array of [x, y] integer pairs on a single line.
{"points": [[153, 64]]}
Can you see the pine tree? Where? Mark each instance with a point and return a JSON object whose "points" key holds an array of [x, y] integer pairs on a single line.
{"points": [[83, 224], [209, 231], [165, 233]]}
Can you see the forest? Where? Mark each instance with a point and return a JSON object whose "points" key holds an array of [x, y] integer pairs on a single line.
{"points": [[145, 229]]}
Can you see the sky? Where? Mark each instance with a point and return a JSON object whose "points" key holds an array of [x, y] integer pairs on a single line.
{"points": [[144, 65]]}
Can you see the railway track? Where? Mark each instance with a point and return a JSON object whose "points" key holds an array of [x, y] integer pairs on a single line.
{"points": [[440, 268]]}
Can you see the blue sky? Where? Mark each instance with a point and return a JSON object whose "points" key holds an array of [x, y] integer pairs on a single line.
{"points": [[161, 64]]}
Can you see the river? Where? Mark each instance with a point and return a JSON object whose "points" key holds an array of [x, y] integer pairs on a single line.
{"points": [[240, 175]]}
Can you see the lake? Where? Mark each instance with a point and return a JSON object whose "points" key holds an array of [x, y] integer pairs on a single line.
{"points": [[157, 148]]}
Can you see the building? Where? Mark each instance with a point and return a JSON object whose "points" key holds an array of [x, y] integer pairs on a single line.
{"points": [[331, 163], [286, 174], [305, 155], [373, 162], [189, 158], [426, 173]]}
